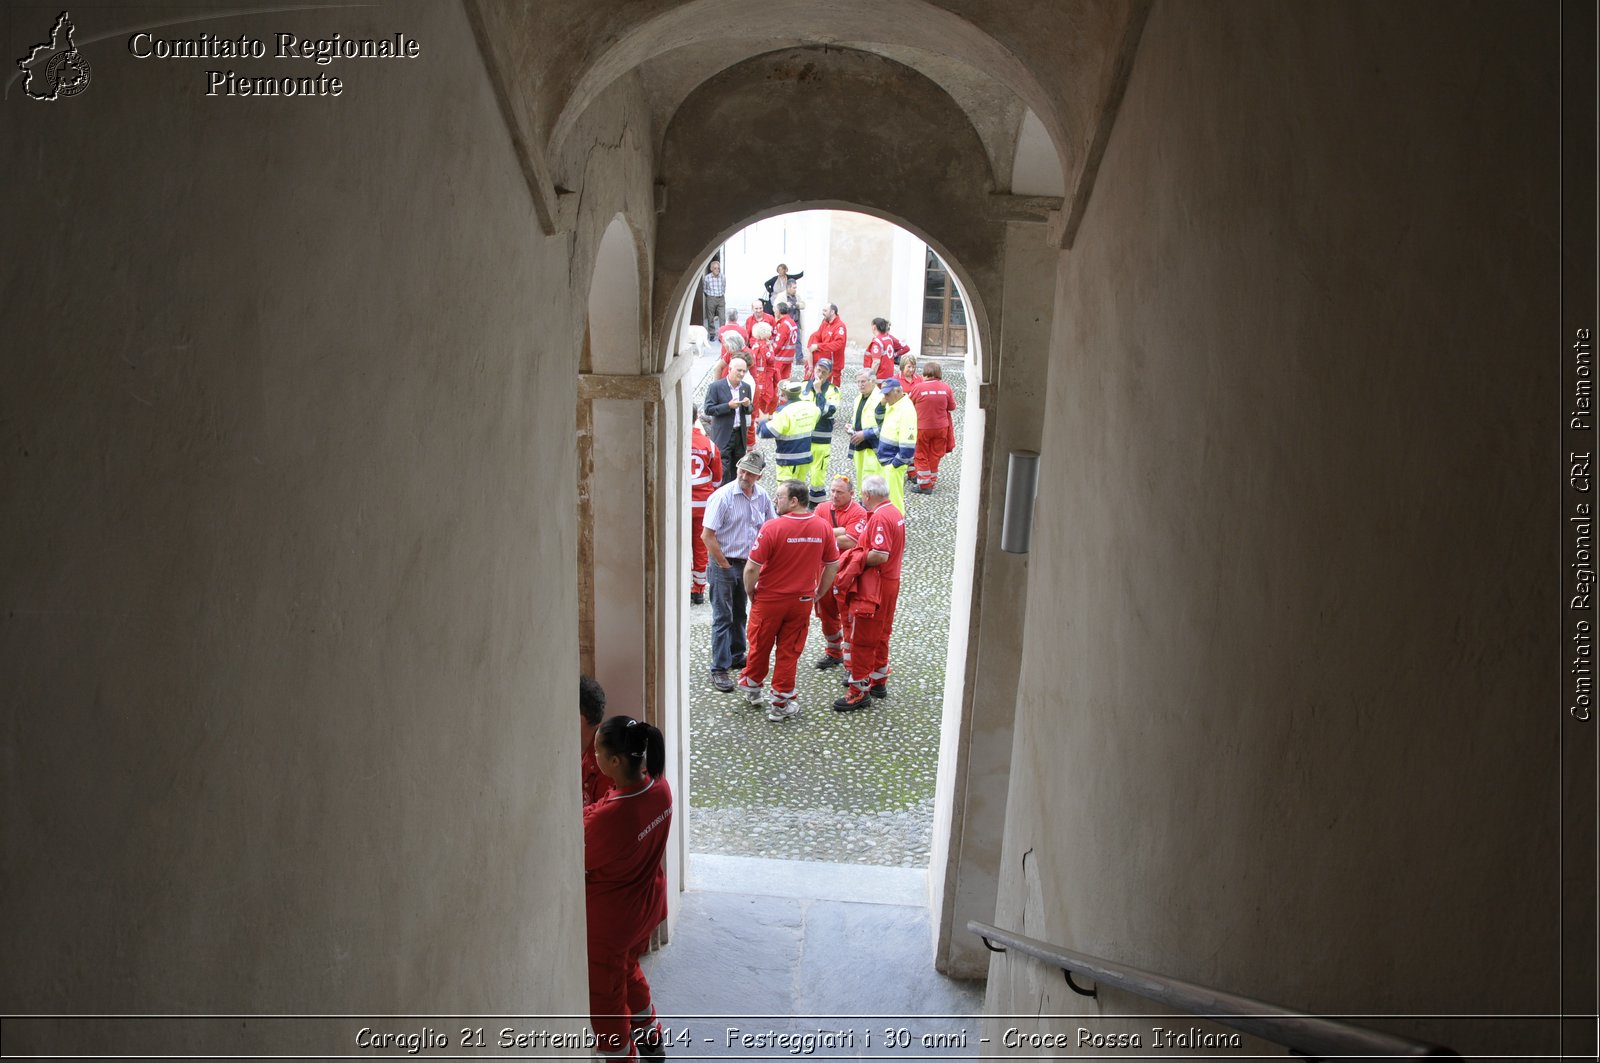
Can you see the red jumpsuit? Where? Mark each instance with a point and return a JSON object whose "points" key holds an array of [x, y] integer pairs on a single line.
{"points": [[784, 338], [764, 375], [705, 475], [868, 637], [791, 550], [935, 402], [852, 520], [625, 894], [830, 339]]}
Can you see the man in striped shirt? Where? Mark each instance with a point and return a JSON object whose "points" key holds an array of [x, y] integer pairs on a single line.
{"points": [[713, 286]]}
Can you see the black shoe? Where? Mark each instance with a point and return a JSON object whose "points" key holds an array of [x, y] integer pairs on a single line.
{"points": [[650, 1046], [721, 681], [696, 598], [825, 662], [855, 699], [879, 690]]}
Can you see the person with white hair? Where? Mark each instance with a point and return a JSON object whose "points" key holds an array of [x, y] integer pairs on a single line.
{"points": [[762, 368], [727, 408], [867, 631], [732, 328], [848, 520], [865, 421]]}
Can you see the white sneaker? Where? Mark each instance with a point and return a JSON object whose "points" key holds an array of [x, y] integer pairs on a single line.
{"points": [[781, 711], [753, 695]]}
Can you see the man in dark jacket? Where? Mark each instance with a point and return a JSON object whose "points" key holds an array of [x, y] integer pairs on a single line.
{"points": [[728, 403]]}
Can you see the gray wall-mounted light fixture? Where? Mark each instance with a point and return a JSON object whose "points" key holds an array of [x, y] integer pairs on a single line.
{"points": [[1022, 487]]}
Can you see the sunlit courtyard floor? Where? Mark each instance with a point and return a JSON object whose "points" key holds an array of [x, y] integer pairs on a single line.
{"points": [[843, 787]]}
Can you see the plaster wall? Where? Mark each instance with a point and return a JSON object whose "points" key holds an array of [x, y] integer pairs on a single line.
{"points": [[979, 710], [619, 554], [1286, 722], [798, 240], [861, 251], [288, 535]]}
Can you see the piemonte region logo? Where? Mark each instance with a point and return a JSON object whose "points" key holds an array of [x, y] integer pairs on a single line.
{"points": [[55, 69]]}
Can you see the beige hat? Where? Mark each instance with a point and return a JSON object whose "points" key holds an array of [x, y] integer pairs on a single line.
{"points": [[753, 462]]}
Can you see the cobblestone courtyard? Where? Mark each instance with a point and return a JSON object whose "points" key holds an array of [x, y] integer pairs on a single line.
{"points": [[845, 787]]}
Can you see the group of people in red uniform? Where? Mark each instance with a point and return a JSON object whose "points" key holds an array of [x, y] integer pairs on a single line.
{"points": [[769, 345], [842, 562], [627, 814]]}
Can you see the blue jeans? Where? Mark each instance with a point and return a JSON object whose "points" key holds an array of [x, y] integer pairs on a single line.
{"points": [[728, 604]]}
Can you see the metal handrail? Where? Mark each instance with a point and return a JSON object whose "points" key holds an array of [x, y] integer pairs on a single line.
{"points": [[1303, 1034]]}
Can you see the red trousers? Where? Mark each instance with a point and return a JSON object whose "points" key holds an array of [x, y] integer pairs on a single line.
{"points": [[932, 445], [697, 573], [867, 640], [832, 624], [619, 998], [766, 390], [784, 366], [775, 620]]}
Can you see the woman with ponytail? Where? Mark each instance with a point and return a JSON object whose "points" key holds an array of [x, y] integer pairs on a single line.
{"points": [[625, 883]]}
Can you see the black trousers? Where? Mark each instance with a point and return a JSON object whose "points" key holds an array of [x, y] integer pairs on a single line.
{"points": [[732, 451]]}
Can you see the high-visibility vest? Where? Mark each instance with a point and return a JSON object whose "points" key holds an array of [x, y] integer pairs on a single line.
{"points": [[897, 439], [827, 405], [791, 427], [868, 417]]}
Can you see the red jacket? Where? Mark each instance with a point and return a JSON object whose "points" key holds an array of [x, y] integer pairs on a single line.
{"points": [[857, 588], [784, 338], [935, 402], [705, 467], [884, 346], [830, 340], [625, 884], [750, 323]]}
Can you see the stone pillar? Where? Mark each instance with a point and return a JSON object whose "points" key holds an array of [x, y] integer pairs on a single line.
{"points": [[981, 684]]}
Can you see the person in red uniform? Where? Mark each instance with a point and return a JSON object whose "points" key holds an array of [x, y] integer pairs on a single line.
{"points": [[733, 346], [591, 710], [758, 314], [625, 885], [883, 352], [847, 519], [790, 567], [732, 328], [784, 341], [908, 372], [936, 435], [884, 540], [827, 342], [705, 476], [762, 369]]}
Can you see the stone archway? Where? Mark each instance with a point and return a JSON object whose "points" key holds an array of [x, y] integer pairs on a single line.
{"points": [[988, 591]]}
